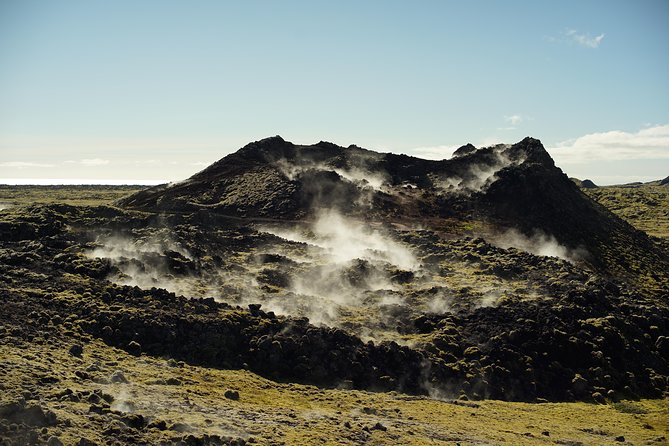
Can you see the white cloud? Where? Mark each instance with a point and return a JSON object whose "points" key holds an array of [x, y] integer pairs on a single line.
{"points": [[433, 152], [490, 141], [89, 162], [514, 119], [584, 40], [647, 144], [23, 164], [149, 162], [94, 162]]}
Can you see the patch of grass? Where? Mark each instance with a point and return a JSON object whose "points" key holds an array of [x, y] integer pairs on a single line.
{"points": [[645, 206], [629, 407], [272, 412], [88, 195]]}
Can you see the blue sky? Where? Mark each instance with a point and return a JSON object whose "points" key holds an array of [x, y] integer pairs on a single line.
{"points": [[156, 90]]}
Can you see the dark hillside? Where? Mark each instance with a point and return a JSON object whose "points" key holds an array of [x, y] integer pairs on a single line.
{"points": [[502, 187]]}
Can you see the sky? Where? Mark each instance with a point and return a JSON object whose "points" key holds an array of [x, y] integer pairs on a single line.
{"points": [[149, 91]]}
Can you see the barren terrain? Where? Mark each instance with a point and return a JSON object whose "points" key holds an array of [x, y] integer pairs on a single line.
{"points": [[318, 294]]}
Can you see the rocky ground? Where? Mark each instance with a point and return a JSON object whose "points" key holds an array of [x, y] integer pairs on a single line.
{"points": [[474, 321], [105, 395], [188, 326]]}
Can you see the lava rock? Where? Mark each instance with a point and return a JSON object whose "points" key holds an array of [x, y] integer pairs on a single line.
{"points": [[231, 395], [76, 350], [134, 348], [118, 377]]}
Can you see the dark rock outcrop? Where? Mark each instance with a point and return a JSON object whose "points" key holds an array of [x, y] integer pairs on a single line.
{"points": [[507, 186]]}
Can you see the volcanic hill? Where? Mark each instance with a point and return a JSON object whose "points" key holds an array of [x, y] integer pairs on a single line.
{"points": [[497, 188], [205, 311]]}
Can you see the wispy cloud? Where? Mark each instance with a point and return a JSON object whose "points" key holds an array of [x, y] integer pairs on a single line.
{"points": [[155, 163], [584, 40], [24, 164], [572, 36], [514, 120], [647, 144], [149, 162], [90, 162]]}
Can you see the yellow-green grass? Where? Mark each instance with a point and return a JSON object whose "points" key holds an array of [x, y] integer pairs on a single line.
{"points": [[89, 195], [646, 206], [292, 414]]}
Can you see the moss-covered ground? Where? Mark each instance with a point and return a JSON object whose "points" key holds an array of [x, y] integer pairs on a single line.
{"points": [[644, 206], [166, 401], [52, 393], [69, 194]]}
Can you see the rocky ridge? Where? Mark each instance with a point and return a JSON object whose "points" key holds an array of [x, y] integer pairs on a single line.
{"points": [[506, 186]]}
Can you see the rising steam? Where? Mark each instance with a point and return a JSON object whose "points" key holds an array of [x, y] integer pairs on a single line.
{"points": [[361, 177], [540, 244], [143, 261], [336, 271], [477, 177], [344, 239], [351, 263]]}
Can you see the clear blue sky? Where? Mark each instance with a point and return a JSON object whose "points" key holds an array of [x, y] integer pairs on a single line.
{"points": [[155, 90]]}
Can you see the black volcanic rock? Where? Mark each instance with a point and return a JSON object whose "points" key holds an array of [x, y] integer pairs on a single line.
{"points": [[586, 184], [505, 186], [277, 179], [267, 178], [664, 182], [537, 198], [571, 334], [464, 150], [530, 151]]}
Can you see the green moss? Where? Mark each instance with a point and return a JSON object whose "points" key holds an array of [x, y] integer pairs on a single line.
{"points": [[272, 412], [90, 195], [644, 206]]}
